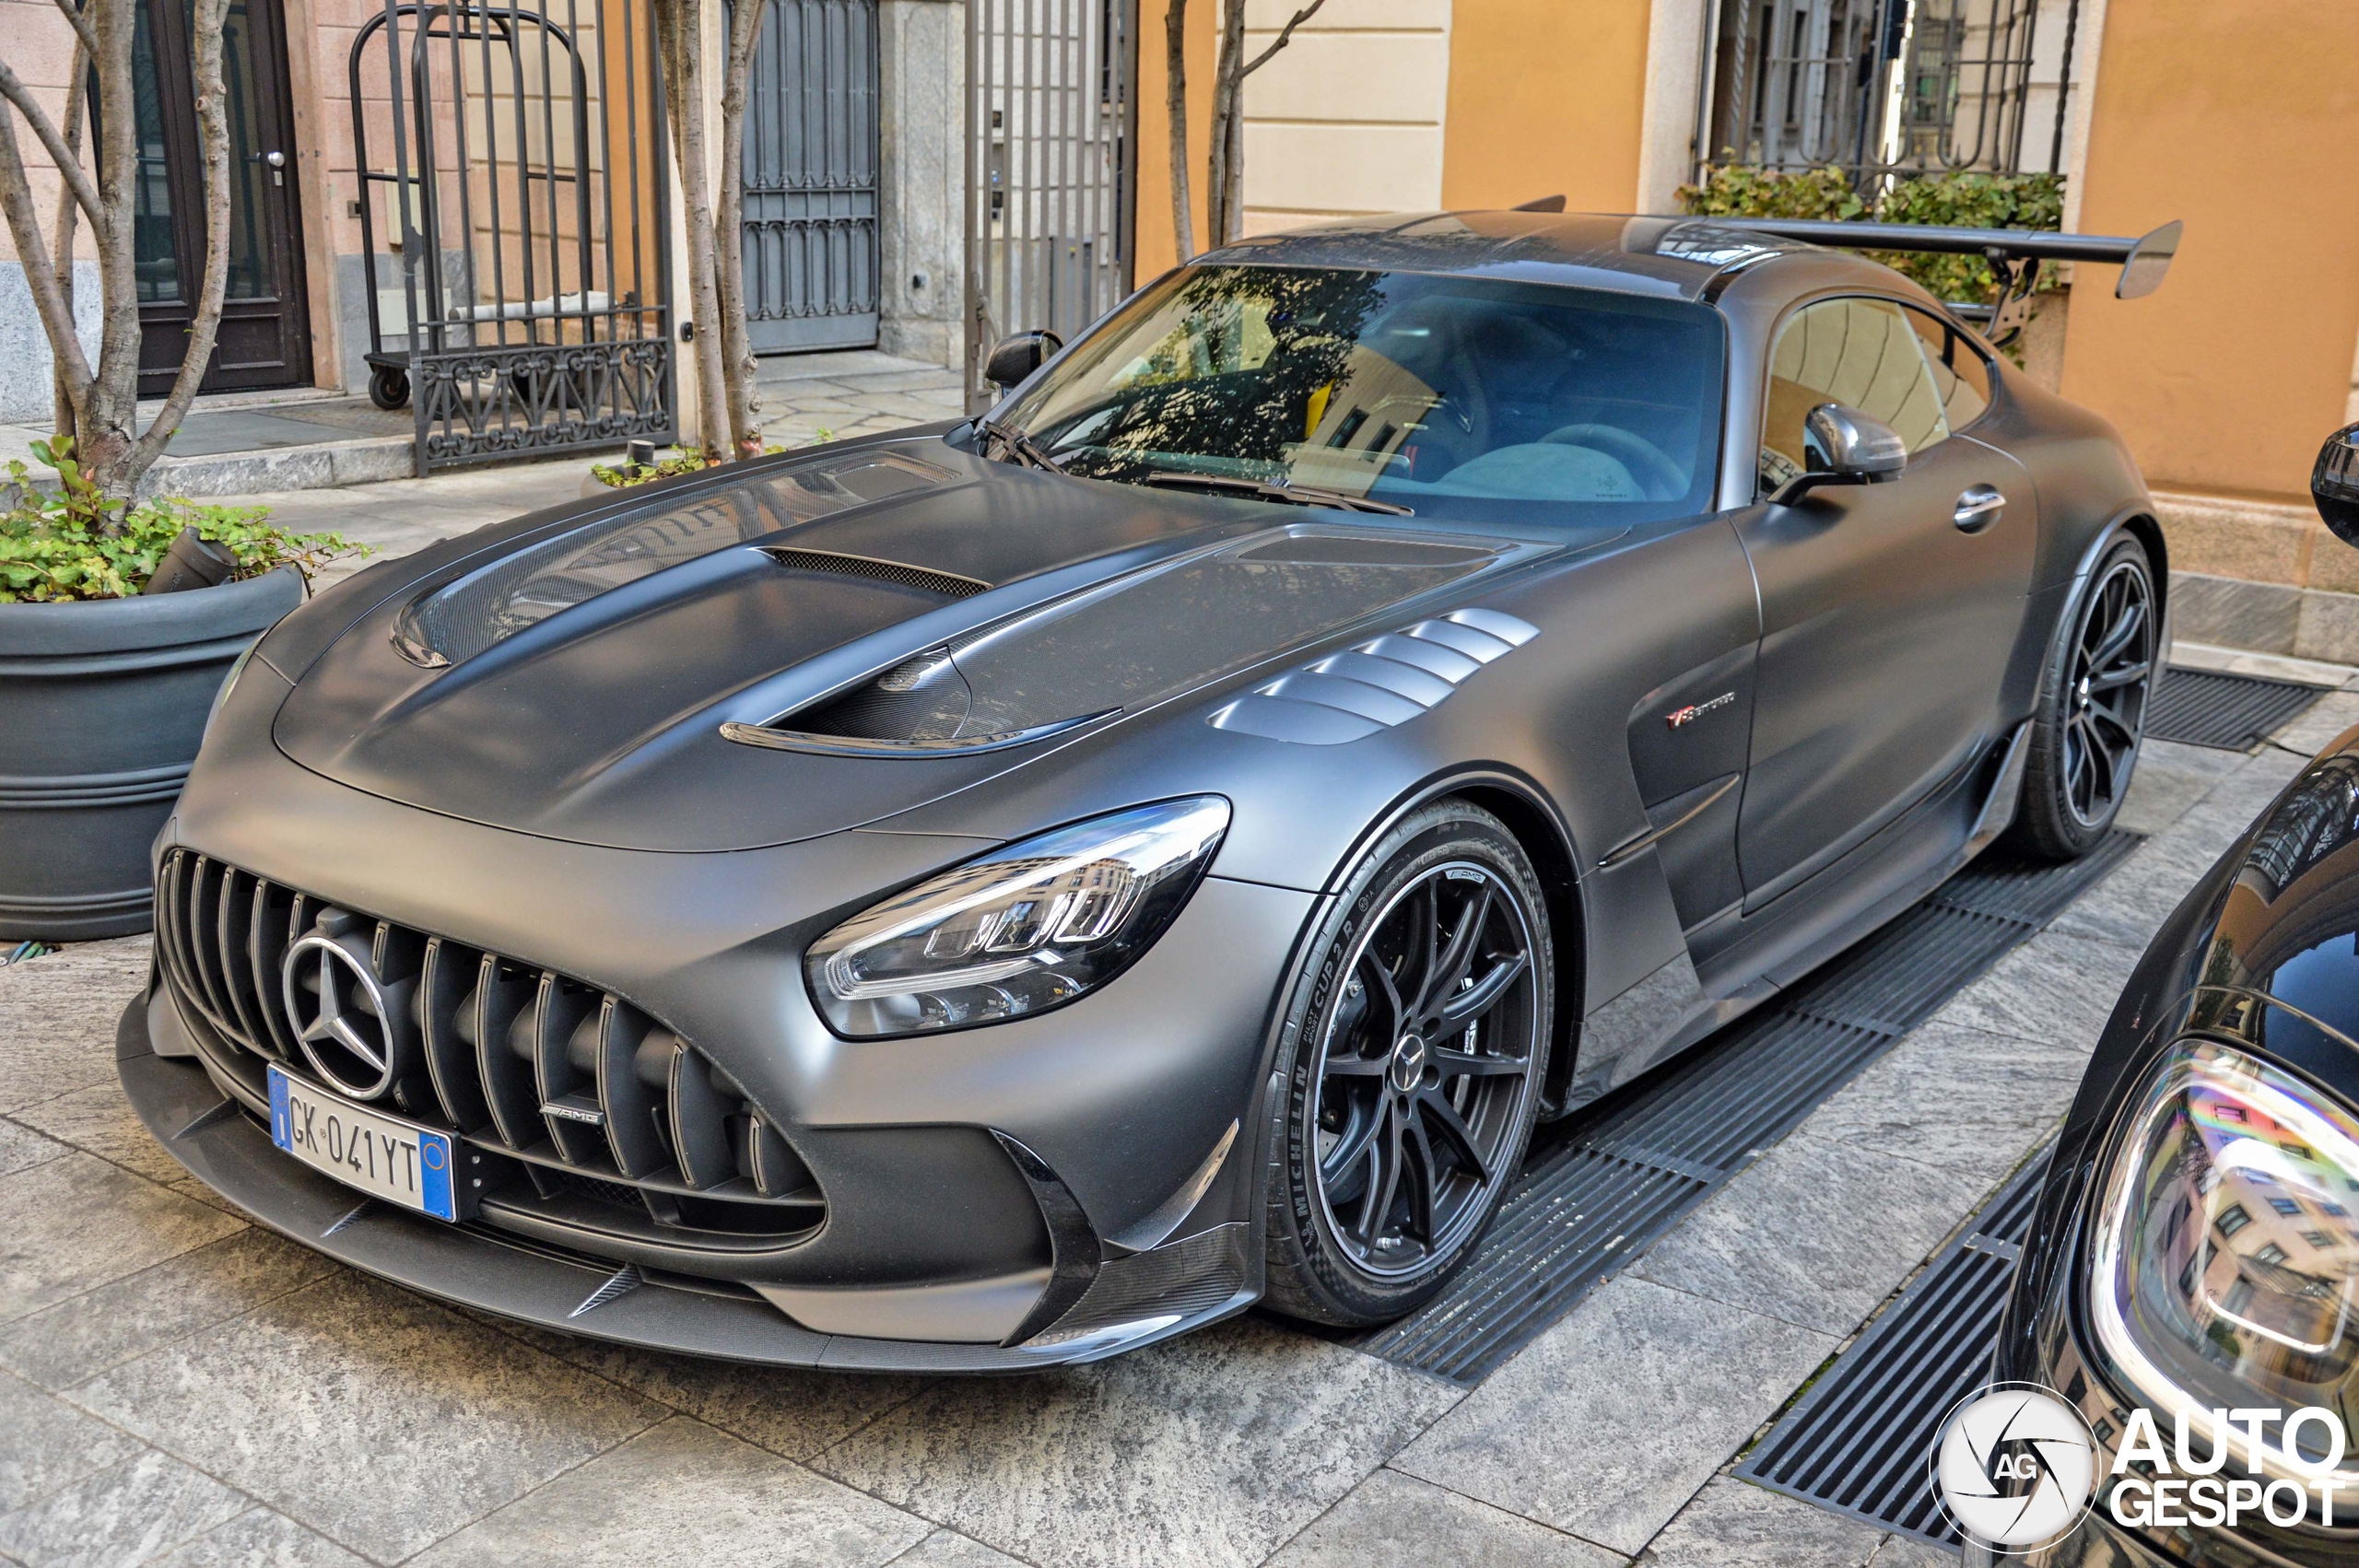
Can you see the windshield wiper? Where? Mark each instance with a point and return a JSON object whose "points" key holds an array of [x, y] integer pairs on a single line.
{"points": [[1271, 490], [1005, 444]]}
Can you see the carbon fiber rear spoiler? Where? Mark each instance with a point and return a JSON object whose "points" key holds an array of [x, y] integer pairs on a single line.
{"points": [[2014, 255]]}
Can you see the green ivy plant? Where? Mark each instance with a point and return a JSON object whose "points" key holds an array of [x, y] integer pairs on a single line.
{"points": [[1963, 201], [681, 460], [64, 540]]}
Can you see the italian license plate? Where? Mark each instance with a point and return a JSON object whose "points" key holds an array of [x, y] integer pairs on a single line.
{"points": [[383, 1156]]}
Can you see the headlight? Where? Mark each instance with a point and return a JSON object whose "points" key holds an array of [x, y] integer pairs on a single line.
{"points": [[1020, 930], [2225, 1273], [237, 668]]}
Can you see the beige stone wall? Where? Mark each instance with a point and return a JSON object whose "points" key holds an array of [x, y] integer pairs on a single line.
{"points": [[40, 51], [1350, 118]]}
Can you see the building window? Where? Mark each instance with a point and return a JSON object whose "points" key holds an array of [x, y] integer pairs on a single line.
{"points": [[2233, 1219], [2284, 1205], [1890, 86]]}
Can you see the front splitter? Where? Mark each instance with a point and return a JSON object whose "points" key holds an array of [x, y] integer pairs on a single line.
{"points": [[471, 1265]]}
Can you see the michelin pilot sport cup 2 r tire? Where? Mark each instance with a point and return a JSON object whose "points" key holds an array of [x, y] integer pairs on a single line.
{"points": [[2059, 818], [1435, 1064]]}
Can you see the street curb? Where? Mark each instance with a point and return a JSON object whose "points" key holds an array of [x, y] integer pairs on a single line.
{"points": [[319, 466]]}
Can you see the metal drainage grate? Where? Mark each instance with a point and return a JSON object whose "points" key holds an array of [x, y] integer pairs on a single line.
{"points": [[1609, 1183], [2233, 713], [1856, 1442]]}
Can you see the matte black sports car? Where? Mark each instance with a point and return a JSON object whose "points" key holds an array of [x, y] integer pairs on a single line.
{"points": [[1007, 892], [2195, 1254]]}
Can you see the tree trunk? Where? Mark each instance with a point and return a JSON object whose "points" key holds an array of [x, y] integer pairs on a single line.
{"points": [[1224, 166], [1175, 98], [103, 434], [681, 34], [728, 231], [1224, 199], [68, 214]]}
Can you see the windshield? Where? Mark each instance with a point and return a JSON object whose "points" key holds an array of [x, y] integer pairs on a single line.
{"points": [[1452, 397]]}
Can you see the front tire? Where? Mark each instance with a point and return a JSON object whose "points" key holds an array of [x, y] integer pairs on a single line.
{"points": [[2092, 714], [1415, 1046]]}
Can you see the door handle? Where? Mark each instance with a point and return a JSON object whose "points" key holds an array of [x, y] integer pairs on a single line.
{"points": [[1977, 508]]}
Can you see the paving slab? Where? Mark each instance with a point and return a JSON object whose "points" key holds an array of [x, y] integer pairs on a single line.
{"points": [[795, 1414], [127, 1512], [948, 1549], [260, 1539], [127, 1318], [1608, 1423], [2059, 986], [57, 1017], [683, 1495], [75, 1223], [1962, 1099], [1393, 1520], [100, 1121], [45, 1446], [376, 1418], [22, 1148], [1733, 1524], [1210, 1450], [1816, 1232]]}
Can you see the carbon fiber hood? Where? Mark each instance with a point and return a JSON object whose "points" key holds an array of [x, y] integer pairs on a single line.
{"points": [[572, 680]]}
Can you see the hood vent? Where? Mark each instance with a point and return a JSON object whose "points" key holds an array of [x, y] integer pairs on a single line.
{"points": [[949, 585]]}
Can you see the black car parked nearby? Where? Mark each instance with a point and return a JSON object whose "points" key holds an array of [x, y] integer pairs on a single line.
{"points": [[1008, 892], [2195, 1255]]}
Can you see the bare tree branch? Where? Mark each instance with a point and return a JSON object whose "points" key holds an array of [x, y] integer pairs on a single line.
{"points": [[24, 227], [82, 28], [1175, 98], [68, 161], [1284, 38], [213, 128]]}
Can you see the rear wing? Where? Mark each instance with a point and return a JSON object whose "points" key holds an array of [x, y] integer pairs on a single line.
{"points": [[2014, 255]]}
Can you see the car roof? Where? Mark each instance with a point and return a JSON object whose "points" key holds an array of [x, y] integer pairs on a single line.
{"points": [[1668, 257]]}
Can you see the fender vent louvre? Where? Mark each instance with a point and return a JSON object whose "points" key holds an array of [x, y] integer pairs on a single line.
{"points": [[948, 584], [570, 1087], [1375, 684]]}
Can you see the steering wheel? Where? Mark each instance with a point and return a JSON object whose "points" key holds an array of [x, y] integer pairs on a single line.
{"points": [[1655, 471]]}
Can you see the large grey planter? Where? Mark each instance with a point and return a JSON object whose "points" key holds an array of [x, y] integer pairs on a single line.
{"points": [[102, 706]]}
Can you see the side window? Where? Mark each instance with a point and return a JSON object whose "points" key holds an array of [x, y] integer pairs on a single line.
{"points": [[1863, 353], [1960, 372]]}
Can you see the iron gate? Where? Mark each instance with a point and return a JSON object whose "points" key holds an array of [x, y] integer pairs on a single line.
{"points": [[524, 210], [1051, 124], [1889, 87], [810, 166]]}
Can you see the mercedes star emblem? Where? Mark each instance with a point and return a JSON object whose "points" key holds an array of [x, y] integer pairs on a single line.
{"points": [[350, 1028]]}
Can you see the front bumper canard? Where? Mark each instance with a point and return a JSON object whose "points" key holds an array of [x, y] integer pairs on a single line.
{"points": [[469, 1265]]}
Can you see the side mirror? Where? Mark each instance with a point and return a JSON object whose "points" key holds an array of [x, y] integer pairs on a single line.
{"points": [[1013, 358], [2334, 483], [1844, 446]]}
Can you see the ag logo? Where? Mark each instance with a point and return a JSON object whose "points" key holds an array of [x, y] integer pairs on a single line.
{"points": [[2014, 1467]]}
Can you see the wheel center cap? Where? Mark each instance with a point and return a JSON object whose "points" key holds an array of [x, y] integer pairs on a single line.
{"points": [[1408, 1062]]}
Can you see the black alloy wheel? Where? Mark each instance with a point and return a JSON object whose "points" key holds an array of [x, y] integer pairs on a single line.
{"points": [[2092, 710], [1416, 1070]]}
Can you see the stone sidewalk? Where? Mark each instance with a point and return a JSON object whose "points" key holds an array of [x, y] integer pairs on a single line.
{"points": [[180, 1386], [315, 455]]}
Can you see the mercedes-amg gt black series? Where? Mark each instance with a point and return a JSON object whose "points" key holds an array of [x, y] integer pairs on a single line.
{"points": [[2194, 1257], [1011, 891]]}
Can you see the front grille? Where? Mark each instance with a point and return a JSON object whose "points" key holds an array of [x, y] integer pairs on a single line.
{"points": [[601, 1116]]}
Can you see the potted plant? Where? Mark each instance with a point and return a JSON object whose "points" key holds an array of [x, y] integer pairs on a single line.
{"points": [[108, 670]]}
